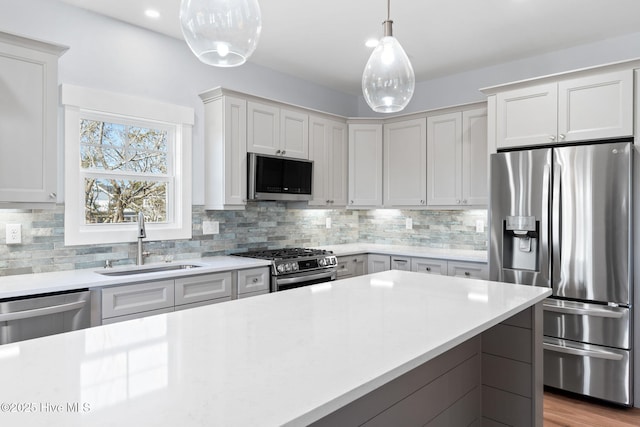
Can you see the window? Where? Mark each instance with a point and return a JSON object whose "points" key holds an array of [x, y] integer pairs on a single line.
{"points": [[125, 155]]}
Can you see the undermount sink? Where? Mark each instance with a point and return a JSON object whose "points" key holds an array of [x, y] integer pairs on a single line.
{"points": [[144, 270]]}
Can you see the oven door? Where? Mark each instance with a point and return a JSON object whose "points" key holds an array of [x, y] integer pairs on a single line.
{"points": [[298, 280]]}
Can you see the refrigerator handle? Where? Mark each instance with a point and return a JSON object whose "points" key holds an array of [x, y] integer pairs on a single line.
{"points": [[545, 255], [556, 223]]}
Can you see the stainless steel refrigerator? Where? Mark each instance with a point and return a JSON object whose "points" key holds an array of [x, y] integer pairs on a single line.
{"points": [[561, 218]]}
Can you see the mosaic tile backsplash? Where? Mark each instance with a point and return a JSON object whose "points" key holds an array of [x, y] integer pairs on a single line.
{"points": [[262, 225]]}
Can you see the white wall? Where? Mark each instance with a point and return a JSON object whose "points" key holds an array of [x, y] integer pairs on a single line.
{"points": [[111, 55], [464, 87]]}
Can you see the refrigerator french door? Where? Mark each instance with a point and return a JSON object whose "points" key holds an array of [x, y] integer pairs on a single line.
{"points": [[561, 218]]}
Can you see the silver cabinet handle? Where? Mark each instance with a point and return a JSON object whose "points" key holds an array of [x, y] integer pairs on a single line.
{"points": [[552, 137], [28, 314], [562, 137], [464, 202], [351, 201], [277, 151], [255, 280], [428, 269], [283, 152], [52, 195], [422, 202], [466, 273], [599, 354]]}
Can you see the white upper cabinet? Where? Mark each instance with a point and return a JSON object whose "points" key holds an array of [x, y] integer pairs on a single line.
{"points": [[329, 151], [277, 131], [457, 158], [28, 132], [365, 165], [405, 163], [225, 151], [595, 106]]}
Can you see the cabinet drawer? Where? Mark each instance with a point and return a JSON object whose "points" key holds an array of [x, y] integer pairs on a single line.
{"points": [[253, 280], [129, 299], [428, 265], [201, 303], [140, 315], [400, 263], [202, 288], [473, 270]]}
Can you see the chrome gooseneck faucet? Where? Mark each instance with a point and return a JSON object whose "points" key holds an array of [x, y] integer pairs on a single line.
{"points": [[141, 235]]}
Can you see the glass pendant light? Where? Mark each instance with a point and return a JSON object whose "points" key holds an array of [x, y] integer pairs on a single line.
{"points": [[223, 33], [388, 80]]}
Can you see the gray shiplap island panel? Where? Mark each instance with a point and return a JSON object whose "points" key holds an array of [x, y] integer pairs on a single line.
{"points": [[493, 379]]}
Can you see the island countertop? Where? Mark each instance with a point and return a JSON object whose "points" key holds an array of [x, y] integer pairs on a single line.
{"points": [[287, 358]]}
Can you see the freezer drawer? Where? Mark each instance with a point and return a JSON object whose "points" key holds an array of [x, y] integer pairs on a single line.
{"points": [[600, 372], [589, 323]]}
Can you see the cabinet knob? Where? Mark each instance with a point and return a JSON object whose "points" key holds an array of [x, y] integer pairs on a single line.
{"points": [[351, 202], [466, 273], [464, 202], [428, 269], [255, 280], [283, 152], [422, 202], [328, 201], [562, 137], [552, 137], [52, 195], [458, 201], [277, 151]]}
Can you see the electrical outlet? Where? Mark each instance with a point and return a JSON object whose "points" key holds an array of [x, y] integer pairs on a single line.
{"points": [[479, 226], [327, 222], [409, 223], [210, 227], [14, 234]]}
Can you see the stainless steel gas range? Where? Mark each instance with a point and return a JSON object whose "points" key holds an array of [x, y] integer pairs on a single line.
{"points": [[297, 267]]}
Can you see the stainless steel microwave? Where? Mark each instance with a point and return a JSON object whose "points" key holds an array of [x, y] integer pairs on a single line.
{"points": [[278, 178]]}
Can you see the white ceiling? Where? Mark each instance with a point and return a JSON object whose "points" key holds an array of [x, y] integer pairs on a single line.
{"points": [[323, 41]]}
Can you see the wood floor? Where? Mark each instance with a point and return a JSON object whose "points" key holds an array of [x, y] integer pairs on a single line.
{"points": [[570, 411]]}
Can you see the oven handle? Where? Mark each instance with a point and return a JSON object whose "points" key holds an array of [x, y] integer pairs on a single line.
{"points": [[598, 354], [299, 279]]}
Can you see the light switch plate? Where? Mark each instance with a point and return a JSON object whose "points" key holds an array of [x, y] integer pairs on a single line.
{"points": [[479, 226], [409, 223], [14, 234], [210, 227], [327, 222]]}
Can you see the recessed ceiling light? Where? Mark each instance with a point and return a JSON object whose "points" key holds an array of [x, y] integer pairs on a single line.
{"points": [[152, 13], [371, 43]]}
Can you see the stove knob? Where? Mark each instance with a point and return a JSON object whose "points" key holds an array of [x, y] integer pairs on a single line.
{"points": [[322, 262], [294, 266], [281, 268]]}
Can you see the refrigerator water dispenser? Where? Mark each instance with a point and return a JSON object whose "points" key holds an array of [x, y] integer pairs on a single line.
{"points": [[520, 243]]}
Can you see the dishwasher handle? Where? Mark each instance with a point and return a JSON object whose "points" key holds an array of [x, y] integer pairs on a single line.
{"points": [[37, 312]]}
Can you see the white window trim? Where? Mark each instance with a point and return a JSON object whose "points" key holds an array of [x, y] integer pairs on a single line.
{"points": [[76, 99]]}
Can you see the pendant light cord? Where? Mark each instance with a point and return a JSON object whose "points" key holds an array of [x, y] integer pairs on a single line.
{"points": [[388, 10]]}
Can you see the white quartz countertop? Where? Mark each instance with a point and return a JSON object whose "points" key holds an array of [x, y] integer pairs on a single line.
{"points": [[284, 358], [409, 251], [38, 283]]}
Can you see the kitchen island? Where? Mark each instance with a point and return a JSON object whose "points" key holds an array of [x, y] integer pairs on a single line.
{"points": [[395, 343]]}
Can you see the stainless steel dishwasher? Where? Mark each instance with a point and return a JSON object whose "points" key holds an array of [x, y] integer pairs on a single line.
{"points": [[35, 316]]}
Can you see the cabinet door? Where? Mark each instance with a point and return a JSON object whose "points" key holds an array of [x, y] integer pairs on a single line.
{"points": [[376, 263], [405, 163], [474, 157], [365, 165], [263, 128], [473, 270], [429, 266], [329, 151], [344, 264], [225, 153], [136, 298], [203, 287], [339, 161], [294, 134], [527, 116], [400, 263], [444, 157], [28, 128], [596, 107], [254, 280]]}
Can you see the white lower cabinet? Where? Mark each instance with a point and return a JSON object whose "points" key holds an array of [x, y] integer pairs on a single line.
{"points": [[137, 298], [205, 287], [254, 281], [400, 263], [351, 266], [376, 263], [472, 270], [429, 266]]}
